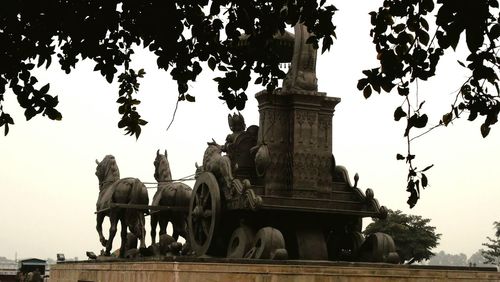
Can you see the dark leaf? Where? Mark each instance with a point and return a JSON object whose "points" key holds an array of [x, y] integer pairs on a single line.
{"points": [[327, 43], [447, 118], [398, 28], [399, 157], [367, 92], [421, 121], [424, 180], [423, 37], [485, 130], [190, 98], [362, 83], [403, 91], [472, 116], [428, 5], [45, 89], [427, 168], [399, 113], [212, 63], [29, 113], [411, 186], [494, 32], [53, 114]]}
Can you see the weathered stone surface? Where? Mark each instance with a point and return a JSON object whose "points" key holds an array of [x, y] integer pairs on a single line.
{"points": [[297, 129], [243, 271]]}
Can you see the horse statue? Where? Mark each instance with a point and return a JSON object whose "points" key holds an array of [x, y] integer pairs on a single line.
{"points": [[113, 190], [216, 163], [172, 194]]}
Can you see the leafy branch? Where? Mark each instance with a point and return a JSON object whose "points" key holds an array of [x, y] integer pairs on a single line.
{"points": [[407, 54]]}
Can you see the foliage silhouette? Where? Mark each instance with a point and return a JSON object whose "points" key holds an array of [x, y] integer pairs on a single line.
{"points": [[412, 234], [410, 38], [491, 254], [182, 34]]}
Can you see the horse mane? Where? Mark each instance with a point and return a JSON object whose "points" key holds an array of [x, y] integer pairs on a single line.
{"points": [[209, 152], [112, 172], [163, 169]]}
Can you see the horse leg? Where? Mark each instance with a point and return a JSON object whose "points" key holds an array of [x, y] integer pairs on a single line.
{"points": [[113, 218], [137, 226], [142, 226], [163, 224], [123, 235], [179, 226], [154, 222], [100, 219]]}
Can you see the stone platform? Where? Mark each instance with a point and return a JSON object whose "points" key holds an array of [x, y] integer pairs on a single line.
{"points": [[180, 269]]}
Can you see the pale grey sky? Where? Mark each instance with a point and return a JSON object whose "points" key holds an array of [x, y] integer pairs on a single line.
{"points": [[47, 168]]}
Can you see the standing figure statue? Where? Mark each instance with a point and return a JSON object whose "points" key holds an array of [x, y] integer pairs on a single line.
{"points": [[302, 72], [113, 190]]}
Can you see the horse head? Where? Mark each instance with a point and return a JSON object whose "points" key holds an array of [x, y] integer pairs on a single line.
{"points": [[107, 170], [162, 167], [213, 150]]}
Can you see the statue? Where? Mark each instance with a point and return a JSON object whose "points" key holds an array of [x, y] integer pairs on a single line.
{"points": [[216, 163], [302, 73], [172, 194], [113, 190], [237, 126]]}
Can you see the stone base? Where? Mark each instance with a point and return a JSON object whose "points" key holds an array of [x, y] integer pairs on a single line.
{"points": [[251, 270]]}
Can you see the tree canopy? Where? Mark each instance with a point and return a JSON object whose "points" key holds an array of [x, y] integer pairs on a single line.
{"points": [[412, 234], [410, 38], [491, 254], [443, 258]]}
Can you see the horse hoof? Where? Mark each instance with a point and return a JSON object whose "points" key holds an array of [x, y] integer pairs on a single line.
{"points": [[104, 242]]}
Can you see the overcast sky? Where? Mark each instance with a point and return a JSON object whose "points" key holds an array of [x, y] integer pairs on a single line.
{"points": [[48, 187]]}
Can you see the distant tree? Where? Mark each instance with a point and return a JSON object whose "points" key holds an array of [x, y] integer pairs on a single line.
{"points": [[443, 258], [412, 234], [492, 252], [410, 38], [477, 259]]}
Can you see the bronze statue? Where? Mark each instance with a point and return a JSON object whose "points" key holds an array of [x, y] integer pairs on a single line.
{"points": [[216, 163], [302, 73], [113, 190], [237, 125], [172, 194]]}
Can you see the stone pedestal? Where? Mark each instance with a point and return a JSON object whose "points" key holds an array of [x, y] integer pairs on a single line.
{"points": [[221, 271], [297, 128]]}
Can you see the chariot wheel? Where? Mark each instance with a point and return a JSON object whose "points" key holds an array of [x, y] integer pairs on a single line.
{"points": [[241, 242], [204, 214], [379, 247]]}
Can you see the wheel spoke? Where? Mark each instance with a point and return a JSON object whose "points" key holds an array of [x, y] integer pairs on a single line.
{"points": [[206, 227], [202, 192], [207, 213], [197, 199], [200, 233], [206, 200]]}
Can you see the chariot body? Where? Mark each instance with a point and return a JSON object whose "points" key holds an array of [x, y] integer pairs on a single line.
{"points": [[255, 202], [278, 193]]}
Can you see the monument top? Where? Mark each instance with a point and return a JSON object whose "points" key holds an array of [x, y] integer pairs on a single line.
{"points": [[302, 73]]}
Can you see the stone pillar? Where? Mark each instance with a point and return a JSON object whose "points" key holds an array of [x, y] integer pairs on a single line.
{"points": [[296, 124], [297, 128]]}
